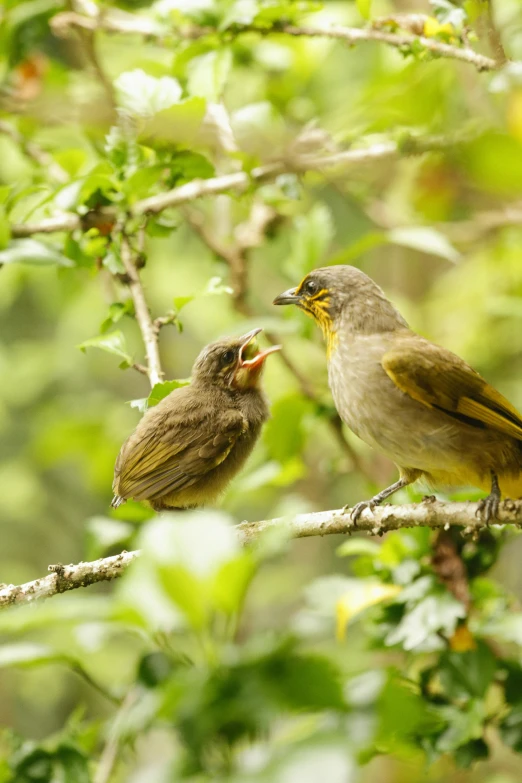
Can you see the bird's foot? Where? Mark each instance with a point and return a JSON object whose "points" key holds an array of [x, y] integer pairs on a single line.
{"points": [[357, 510], [488, 508]]}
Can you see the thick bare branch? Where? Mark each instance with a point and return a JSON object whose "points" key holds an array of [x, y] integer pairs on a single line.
{"points": [[383, 519], [148, 328], [64, 578]]}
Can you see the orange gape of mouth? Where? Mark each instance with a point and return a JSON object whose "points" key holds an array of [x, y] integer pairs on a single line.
{"points": [[251, 361]]}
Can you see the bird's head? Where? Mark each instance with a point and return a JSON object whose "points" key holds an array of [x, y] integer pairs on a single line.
{"points": [[336, 296], [232, 363]]}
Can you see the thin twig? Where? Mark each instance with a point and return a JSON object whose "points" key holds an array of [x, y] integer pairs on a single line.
{"points": [[383, 519], [110, 752], [36, 153], [143, 317], [495, 40], [351, 35]]}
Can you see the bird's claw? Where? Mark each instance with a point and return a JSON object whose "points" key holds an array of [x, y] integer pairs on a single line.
{"points": [[488, 508], [357, 510]]}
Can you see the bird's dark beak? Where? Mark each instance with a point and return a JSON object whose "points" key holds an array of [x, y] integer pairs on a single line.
{"points": [[287, 297], [247, 338]]}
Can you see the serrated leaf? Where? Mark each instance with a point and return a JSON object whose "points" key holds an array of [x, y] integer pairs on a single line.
{"points": [[113, 342], [161, 390], [425, 239], [31, 251], [422, 626], [116, 312], [144, 95]]}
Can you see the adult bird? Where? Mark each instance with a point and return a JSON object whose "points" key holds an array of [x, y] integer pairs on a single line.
{"points": [[416, 402], [187, 448]]}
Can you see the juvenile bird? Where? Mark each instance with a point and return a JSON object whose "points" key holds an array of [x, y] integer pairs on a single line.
{"points": [[416, 402], [186, 449]]}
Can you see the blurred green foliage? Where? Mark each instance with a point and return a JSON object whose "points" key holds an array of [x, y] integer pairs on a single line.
{"points": [[348, 661]]}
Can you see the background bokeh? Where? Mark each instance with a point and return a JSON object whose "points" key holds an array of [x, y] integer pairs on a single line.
{"points": [[440, 232]]}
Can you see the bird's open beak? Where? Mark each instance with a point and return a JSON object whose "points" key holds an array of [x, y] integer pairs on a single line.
{"points": [[250, 357], [250, 362], [287, 297]]}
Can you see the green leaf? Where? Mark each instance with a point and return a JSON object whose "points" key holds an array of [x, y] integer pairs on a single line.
{"points": [[104, 533], [31, 251], [185, 166], [364, 7], [464, 724], [403, 715], [161, 390], [144, 95], [179, 124], [114, 343], [181, 301], [420, 627], [464, 675], [231, 582], [116, 312], [357, 546], [207, 74], [511, 728], [474, 750], [71, 160], [240, 12], [425, 239], [303, 681], [142, 183], [185, 591]]}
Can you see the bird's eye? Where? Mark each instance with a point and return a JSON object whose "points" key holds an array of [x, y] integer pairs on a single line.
{"points": [[311, 287], [227, 357]]}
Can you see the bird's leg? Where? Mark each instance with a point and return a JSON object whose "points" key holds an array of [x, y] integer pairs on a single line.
{"points": [[488, 507], [385, 493]]}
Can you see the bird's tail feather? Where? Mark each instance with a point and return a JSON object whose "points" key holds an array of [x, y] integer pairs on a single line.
{"points": [[117, 501]]}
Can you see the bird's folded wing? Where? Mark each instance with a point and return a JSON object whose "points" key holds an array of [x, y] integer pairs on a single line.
{"points": [[437, 378], [158, 466]]}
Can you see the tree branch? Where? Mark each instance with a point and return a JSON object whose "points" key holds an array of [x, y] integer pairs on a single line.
{"points": [[148, 328], [383, 519], [64, 578], [199, 188], [127, 23]]}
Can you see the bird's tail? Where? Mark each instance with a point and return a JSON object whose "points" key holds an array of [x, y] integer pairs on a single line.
{"points": [[117, 501]]}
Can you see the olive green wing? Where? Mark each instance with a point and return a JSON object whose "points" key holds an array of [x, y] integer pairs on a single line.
{"points": [[150, 467], [438, 379]]}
